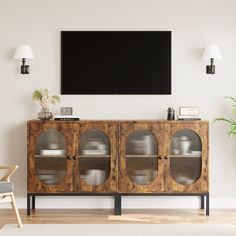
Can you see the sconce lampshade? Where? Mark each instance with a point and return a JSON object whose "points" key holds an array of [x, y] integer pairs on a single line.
{"points": [[211, 51], [24, 51]]}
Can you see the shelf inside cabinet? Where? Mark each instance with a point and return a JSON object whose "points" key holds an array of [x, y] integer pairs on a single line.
{"points": [[94, 156], [140, 156], [50, 156], [189, 156]]}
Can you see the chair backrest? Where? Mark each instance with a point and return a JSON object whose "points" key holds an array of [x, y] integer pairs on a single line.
{"points": [[11, 171]]}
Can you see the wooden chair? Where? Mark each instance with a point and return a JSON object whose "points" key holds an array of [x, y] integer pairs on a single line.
{"points": [[6, 190]]}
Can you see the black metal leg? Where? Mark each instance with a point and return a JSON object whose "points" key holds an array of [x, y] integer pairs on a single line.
{"points": [[28, 204], [202, 202], [120, 206], [33, 202], [117, 204], [207, 204]]}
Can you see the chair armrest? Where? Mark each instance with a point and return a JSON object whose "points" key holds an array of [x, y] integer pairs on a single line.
{"points": [[11, 171]]}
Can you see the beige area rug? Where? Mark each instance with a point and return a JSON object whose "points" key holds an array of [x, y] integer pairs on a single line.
{"points": [[119, 230]]}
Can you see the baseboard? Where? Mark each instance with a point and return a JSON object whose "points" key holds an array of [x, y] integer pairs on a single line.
{"points": [[131, 202]]}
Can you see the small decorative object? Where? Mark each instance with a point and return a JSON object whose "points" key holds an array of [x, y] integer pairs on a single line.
{"points": [[189, 113], [148, 144], [66, 111], [44, 99], [45, 114], [231, 122], [171, 103], [170, 113], [185, 145]]}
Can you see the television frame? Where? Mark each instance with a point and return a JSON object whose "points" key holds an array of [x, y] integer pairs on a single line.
{"points": [[61, 85]]}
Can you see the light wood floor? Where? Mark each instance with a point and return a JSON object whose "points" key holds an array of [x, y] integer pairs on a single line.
{"points": [[164, 216]]}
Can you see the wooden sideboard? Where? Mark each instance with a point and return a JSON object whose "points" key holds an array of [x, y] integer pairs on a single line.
{"points": [[117, 158]]}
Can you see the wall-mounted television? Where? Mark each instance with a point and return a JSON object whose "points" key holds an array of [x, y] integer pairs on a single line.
{"points": [[116, 62]]}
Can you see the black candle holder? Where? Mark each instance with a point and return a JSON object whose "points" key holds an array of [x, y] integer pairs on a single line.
{"points": [[170, 113]]}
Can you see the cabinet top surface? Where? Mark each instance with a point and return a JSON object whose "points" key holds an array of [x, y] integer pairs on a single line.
{"points": [[123, 121]]}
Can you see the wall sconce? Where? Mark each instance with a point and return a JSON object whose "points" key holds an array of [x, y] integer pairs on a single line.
{"points": [[210, 53], [24, 52]]}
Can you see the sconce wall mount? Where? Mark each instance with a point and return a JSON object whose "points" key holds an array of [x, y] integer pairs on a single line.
{"points": [[210, 69]]}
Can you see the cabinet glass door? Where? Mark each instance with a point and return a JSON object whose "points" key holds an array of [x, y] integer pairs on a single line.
{"points": [[141, 157], [141, 166], [94, 157], [50, 157], [185, 157]]}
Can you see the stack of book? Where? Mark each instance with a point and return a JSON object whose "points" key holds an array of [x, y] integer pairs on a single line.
{"points": [[189, 117], [66, 117]]}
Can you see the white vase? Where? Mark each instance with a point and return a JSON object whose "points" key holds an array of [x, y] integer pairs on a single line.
{"points": [[185, 146]]}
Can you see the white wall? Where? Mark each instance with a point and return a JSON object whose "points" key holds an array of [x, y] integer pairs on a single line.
{"points": [[194, 24]]}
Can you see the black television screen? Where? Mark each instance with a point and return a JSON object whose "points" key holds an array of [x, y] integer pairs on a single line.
{"points": [[116, 62]]}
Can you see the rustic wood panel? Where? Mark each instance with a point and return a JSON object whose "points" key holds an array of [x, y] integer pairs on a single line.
{"points": [[118, 132], [34, 129], [125, 183], [111, 130], [202, 184]]}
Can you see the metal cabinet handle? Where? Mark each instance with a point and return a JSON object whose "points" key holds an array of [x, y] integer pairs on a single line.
{"points": [[166, 157], [69, 157], [75, 157], [160, 157]]}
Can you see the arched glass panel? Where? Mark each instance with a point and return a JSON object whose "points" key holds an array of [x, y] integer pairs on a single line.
{"points": [[186, 157], [50, 164], [141, 157], [94, 157]]}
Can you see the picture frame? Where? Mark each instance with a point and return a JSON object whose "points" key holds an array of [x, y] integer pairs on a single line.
{"points": [[66, 111], [189, 111]]}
